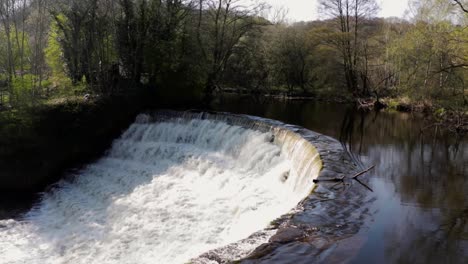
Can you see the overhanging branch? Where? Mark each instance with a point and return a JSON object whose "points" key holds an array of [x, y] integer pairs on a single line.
{"points": [[451, 67], [461, 6]]}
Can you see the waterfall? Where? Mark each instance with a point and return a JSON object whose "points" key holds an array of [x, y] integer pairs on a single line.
{"points": [[172, 187]]}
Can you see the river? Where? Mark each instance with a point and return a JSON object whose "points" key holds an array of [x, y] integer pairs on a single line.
{"points": [[419, 212], [419, 191]]}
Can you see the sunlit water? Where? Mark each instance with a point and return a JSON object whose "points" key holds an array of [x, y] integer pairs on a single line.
{"points": [[165, 193]]}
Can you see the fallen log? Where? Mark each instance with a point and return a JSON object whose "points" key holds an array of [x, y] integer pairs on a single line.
{"points": [[330, 180]]}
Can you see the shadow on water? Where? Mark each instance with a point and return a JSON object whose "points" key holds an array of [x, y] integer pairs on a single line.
{"points": [[420, 181]]}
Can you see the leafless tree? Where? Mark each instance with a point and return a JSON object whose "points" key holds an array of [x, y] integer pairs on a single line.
{"points": [[349, 15]]}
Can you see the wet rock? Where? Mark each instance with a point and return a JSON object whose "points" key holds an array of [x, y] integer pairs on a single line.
{"points": [[326, 173], [285, 176], [263, 250], [272, 139], [318, 242], [209, 257], [287, 235]]}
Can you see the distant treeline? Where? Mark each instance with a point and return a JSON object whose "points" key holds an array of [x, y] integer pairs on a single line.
{"points": [[192, 48]]}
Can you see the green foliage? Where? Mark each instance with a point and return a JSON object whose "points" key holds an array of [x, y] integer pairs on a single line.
{"points": [[108, 47], [18, 50], [54, 56], [440, 112], [426, 59], [392, 104]]}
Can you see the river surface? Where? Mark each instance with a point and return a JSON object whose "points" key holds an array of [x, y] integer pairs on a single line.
{"points": [[420, 181]]}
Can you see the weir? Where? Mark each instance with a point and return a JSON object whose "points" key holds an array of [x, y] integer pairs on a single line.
{"points": [[174, 186]]}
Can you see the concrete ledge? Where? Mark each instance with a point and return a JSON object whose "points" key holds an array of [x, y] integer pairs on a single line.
{"points": [[331, 213]]}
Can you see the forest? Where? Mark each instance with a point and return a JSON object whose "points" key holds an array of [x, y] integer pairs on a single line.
{"points": [[51, 50], [222, 131]]}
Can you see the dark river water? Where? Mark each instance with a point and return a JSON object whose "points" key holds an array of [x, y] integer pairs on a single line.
{"points": [[420, 181]]}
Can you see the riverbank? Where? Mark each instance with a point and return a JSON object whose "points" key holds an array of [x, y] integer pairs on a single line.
{"points": [[442, 114], [439, 115], [38, 145]]}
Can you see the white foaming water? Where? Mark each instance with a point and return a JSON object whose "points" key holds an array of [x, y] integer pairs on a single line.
{"points": [[165, 192]]}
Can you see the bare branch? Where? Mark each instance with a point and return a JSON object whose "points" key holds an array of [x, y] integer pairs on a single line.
{"points": [[461, 6]]}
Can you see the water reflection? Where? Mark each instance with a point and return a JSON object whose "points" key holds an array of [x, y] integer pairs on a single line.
{"points": [[419, 182]]}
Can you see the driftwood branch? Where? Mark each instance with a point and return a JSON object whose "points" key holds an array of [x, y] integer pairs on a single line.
{"points": [[343, 178], [365, 185], [362, 172], [330, 180]]}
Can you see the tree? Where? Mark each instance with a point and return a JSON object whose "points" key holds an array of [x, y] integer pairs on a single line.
{"points": [[169, 37], [86, 38], [131, 33], [250, 65], [429, 57], [291, 57], [349, 16], [5, 16], [53, 56], [223, 23], [39, 19]]}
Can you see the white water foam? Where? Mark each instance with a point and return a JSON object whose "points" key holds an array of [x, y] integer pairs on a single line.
{"points": [[166, 192]]}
